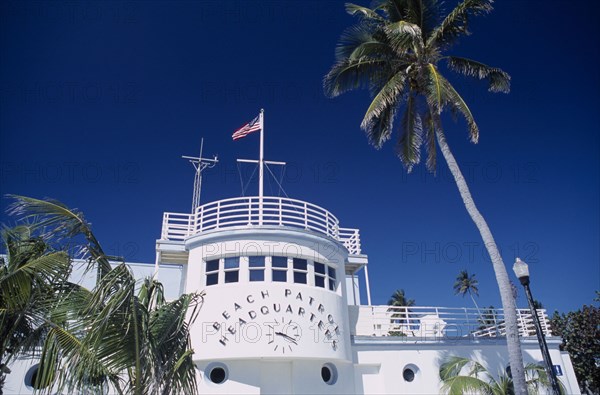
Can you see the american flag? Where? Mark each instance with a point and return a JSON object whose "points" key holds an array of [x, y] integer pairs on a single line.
{"points": [[248, 128]]}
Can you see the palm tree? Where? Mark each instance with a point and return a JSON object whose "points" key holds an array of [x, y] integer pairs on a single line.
{"points": [[394, 51], [488, 318], [399, 301], [136, 342], [467, 284], [478, 379], [33, 281]]}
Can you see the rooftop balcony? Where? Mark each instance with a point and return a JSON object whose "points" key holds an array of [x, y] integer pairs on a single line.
{"points": [[250, 211], [437, 323]]}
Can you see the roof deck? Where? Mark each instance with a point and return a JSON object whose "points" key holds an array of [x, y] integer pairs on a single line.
{"points": [[252, 211], [438, 323]]}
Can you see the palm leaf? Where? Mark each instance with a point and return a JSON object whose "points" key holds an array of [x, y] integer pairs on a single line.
{"points": [[411, 135], [457, 104], [77, 361], [363, 12], [433, 92], [454, 383], [426, 14], [460, 385], [358, 35], [452, 367], [385, 98], [62, 220], [456, 22], [429, 130], [395, 10], [499, 81], [379, 128], [404, 37], [349, 74]]}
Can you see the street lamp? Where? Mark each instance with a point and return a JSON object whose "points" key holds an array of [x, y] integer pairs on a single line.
{"points": [[522, 271]]}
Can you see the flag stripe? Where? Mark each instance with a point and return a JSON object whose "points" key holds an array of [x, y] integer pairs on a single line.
{"points": [[248, 128]]}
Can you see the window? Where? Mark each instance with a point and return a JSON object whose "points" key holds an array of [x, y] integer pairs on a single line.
{"points": [[300, 270], [212, 272], [257, 268], [329, 373], [232, 269], [217, 373], [332, 280], [283, 269], [325, 276], [279, 265], [408, 374], [31, 378], [320, 274]]}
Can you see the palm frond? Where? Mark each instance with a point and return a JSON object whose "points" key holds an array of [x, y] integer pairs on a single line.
{"points": [[454, 383], [456, 22], [77, 361], [182, 377], [349, 74], [452, 367], [386, 97], [395, 10], [63, 221], [361, 34], [428, 14], [499, 81], [430, 125], [404, 37], [411, 135], [434, 89], [460, 385], [536, 378], [363, 12], [170, 330], [379, 128], [457, 103], [503, 386]]}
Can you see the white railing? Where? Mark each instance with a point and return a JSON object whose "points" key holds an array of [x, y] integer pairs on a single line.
{"points": [[176, 226], [351, 240], [440, 322], [250, 211]]}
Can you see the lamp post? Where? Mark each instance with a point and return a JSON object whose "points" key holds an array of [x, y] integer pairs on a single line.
{"points": [[522, 271]]}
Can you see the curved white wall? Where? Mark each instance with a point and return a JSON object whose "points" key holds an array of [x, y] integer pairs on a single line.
{"points": [[267, 319]]}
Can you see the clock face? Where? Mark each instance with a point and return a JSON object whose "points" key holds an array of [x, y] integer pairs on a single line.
{"points": [[283, 335]]}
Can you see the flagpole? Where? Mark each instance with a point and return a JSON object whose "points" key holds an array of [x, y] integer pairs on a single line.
{"points": [[261, 164]]}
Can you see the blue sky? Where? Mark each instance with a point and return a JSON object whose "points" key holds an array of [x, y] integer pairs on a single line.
{"points": [[99, 100]]}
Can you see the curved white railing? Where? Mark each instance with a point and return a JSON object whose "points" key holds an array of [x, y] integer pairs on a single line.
{"points": [[251, 211]]}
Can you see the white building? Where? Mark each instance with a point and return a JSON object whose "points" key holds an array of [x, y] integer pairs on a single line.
{"points": [[282, 312]]}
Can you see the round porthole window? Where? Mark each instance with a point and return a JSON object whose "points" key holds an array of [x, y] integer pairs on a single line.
{"points": [[410, 372], [329, 373], [31, 377], [217, 373]]}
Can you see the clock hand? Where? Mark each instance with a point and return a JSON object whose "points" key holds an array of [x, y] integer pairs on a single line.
{"points": [[286, 337]]}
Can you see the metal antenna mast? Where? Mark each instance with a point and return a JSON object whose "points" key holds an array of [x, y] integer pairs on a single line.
{"points": [[199, 164]]}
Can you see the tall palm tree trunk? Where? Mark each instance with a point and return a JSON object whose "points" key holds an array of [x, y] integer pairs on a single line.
{"points": [[508, 303], [476, 306]]}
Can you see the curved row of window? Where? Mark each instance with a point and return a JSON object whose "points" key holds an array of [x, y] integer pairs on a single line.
{"points": [[270, 268]]}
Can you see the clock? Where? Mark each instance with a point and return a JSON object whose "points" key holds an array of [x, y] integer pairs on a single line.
{"points": [[283, 335]]}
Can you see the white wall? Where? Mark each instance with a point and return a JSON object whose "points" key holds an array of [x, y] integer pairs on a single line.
{"points": [[379, 362]]}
